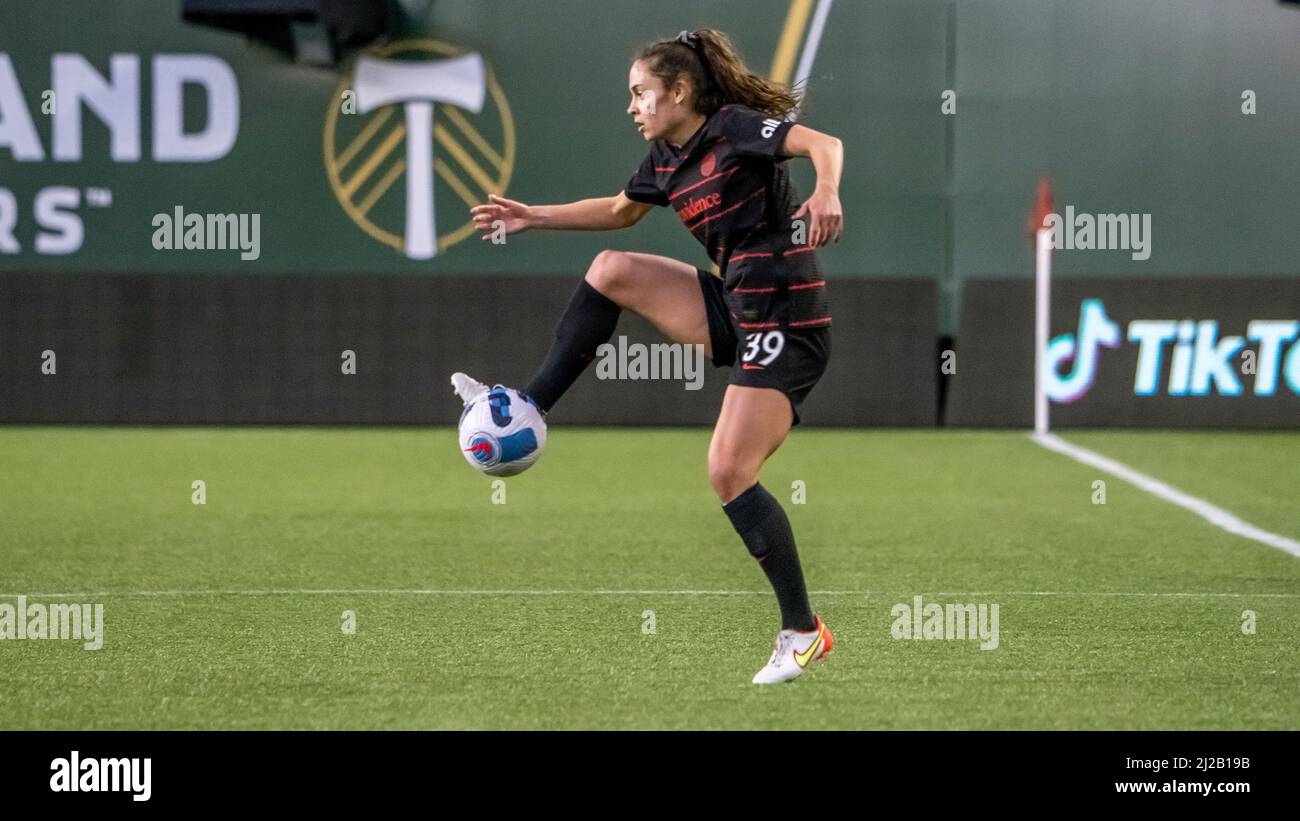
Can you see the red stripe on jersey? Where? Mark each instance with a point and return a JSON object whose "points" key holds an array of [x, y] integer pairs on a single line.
{"points": [[761, 324], [818, 321], [769, 253], [666, 169], [676, 194], [770, 290], [727, 210]]}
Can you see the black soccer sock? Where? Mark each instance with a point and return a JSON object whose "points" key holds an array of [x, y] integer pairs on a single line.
{"points": [[587, 323], [763, 525]]}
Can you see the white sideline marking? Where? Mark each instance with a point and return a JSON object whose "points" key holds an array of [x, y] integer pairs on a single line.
{"points": [[1216, 516], [517, 592]]}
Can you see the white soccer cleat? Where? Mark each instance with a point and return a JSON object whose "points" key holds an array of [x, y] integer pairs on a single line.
{"points": [[467, 388], [794, 651]]}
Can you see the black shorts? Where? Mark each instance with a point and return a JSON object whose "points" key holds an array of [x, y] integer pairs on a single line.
{"points": [[791, 361]]}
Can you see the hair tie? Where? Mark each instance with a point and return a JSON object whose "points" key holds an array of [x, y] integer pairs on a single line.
{"points": [[692, 41]]}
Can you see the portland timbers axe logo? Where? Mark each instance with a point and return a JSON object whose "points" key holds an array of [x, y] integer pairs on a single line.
{"points": [[431, 116]]}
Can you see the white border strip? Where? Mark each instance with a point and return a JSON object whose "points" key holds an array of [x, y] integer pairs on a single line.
{"points": [[1216, 516]]}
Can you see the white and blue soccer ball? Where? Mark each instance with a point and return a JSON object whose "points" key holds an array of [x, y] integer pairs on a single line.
{"points": [[502, 433]]}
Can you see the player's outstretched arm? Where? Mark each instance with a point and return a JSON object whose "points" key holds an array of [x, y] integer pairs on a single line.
{"points": [[595, 214], [826, 218]]}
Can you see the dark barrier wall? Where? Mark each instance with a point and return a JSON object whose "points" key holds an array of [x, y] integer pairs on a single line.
{"points": [[192, 349], [1133, 353]]}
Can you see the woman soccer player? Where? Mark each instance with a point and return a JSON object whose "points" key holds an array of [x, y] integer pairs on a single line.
{"points": [[719, 139]]}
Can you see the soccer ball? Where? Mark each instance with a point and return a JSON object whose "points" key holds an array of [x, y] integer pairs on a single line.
{"points": [[501, 432]]}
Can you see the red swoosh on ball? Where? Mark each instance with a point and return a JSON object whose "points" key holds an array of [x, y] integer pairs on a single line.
{"points": [[481, 446]]}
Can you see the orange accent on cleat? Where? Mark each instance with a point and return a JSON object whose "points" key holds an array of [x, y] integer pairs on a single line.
{"points": [[828, 641]]}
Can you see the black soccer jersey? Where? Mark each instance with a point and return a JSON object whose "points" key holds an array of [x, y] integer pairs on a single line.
{"points": [[729, 185]]}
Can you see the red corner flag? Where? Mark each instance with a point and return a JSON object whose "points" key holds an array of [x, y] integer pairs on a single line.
{"points": [[1042, 207]]}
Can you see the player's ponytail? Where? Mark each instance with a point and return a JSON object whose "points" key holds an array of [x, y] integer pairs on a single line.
{"points": [[717, 72]]}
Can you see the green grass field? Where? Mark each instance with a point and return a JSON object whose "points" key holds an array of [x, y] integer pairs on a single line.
{"points": [[530, 614]]}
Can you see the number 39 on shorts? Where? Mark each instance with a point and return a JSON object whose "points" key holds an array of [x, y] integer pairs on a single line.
{"points": [[768, 343]]}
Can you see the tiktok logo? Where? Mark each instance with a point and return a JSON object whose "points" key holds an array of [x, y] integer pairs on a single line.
{"points": [[1201, 362], [1095, 329]]}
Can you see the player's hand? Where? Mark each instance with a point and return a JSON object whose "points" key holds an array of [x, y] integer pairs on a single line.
{"points": [[516, 216], [825, 218]]}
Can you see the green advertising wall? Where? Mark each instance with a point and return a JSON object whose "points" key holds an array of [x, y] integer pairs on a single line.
{"points": [[1131, 106]]}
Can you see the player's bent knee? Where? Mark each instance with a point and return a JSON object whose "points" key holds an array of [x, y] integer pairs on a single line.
{"points": [[608, 272], [729, 477]]}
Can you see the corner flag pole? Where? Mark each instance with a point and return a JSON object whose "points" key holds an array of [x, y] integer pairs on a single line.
{"points": [[1042, 310], [1042, 301]]}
